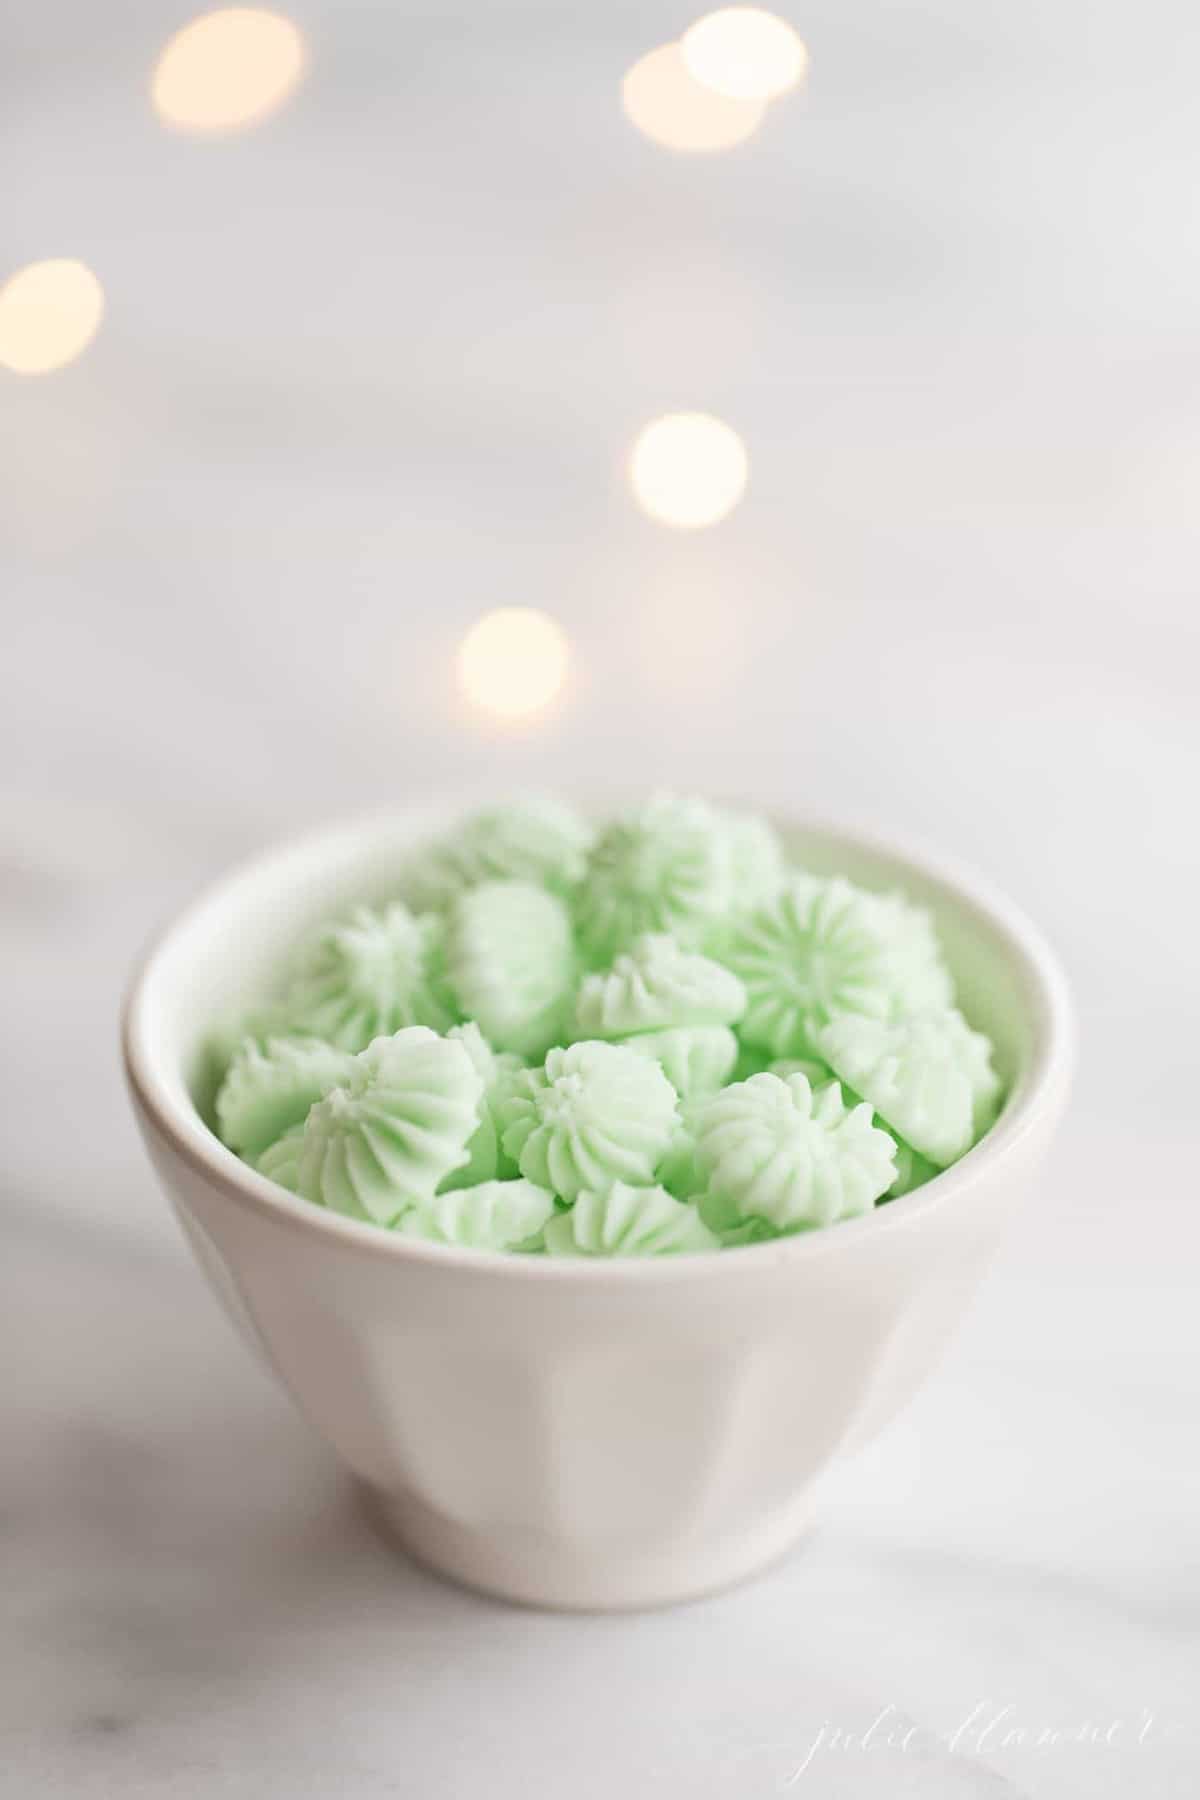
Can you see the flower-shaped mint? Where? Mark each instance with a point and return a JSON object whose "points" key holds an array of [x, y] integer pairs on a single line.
{"points": [[772, 1149], [269, 1088], [537, 839], [678, 1169], [920, 980], [369, 976], [815, 1072], [817, 950], [388, 1137], [510, 962], [696, 1059], [668, 867], [597, 1113], [280, 1161], [912, 1170], [628, 1221], [751, 1060], [726, 1223], [757, 861], [655, 985], [496, 1215], [929, 1077], [493, 1068]]}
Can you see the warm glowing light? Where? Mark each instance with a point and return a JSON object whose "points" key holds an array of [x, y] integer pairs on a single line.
{"points": [[671, 108], [688, 469], [744, 53], [227, 70], [513, 662], [49, 314]]}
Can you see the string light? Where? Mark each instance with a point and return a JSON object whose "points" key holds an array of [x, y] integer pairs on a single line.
{"points": [[688, 469], [744, 53], [669, 106], [513, 662], [227, 70], [49, 314]]}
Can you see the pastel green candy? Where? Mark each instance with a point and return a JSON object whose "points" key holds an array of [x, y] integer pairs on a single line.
{"points": [[486, 1062], [537, 839], [492, 1067], [369, 976], [280, 1161], [815, 1072], [912, 1171], [774, 1150], [750, 1231], [696, 1059], [827, 1009], [929, 1077], [751, 1060], [818, 949], [758, 864], [654, 985], [722, 1217], [597, 1113], [920, 979], [269, 1088], [666, 867], [628, 1221], [386, 1139], [496, 1215], [678, 1170], [510, 1084], [231, 1032], [510, 962]]}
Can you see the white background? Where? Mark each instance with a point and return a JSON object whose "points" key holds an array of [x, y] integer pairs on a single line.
{"points": [[375, 368]]}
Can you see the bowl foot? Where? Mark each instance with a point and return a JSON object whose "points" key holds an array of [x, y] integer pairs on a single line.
{"points": [[530, 1568]]}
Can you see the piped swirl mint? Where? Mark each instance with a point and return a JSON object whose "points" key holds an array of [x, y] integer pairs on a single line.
{"points": [[510, 963], [820, 949], [368, 976], [280, 1161], [666, 867], [596, 1113], [628, 1221], [655, 986], [538, 840], [494, 1068], [696, 1059], [387, 1138], [494, 1215], [929, 1076], [269, 1089], [773, 1150]]}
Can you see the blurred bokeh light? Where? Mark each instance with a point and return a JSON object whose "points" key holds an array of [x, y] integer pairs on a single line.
{"points": [[688, 469], [669, 106], [49, 314], [513, 662], [228, 70], [744, 53]]}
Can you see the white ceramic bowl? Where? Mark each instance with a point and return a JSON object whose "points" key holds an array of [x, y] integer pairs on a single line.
{"points": [[586, 1433]]}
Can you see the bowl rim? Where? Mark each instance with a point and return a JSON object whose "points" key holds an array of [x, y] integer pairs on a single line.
{"points": [[1040, 1091]]}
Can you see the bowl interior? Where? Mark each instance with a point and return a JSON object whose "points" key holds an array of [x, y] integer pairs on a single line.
{"points": [[225, 952]]}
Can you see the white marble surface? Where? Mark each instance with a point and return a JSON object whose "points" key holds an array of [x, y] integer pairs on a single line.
{"points": [[374, 369]]}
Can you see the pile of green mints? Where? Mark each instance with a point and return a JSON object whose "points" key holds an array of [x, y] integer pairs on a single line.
{"points": [[649, 1037]]}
